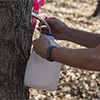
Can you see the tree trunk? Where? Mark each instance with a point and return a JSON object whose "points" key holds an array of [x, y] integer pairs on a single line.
{"points": [[15, 44], [97, 11]]}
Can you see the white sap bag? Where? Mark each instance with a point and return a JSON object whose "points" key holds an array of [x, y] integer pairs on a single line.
{"points": [[40, 73]]}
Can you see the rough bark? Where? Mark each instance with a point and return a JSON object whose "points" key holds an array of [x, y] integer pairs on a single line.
{"points": [[15, 44], [97, 11]]}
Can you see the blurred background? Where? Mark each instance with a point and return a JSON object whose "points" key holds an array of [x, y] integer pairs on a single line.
{"points": [[74, 84]]}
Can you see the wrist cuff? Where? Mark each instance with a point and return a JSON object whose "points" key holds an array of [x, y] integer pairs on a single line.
{"points": [[48, 56]]}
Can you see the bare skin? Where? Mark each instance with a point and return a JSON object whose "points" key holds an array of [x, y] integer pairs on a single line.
{"points": [[88, 59]]}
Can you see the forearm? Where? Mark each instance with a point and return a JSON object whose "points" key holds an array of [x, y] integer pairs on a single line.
{"points": [[79, 58], [83, 38]]}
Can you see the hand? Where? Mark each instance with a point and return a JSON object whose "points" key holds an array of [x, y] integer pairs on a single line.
{"points": [[41, 45], [58, 28]]}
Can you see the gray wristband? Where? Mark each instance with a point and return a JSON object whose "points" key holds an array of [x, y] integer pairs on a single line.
{"points": [[48, 56]]}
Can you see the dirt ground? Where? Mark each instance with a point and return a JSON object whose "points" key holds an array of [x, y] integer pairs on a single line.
{"points": [[74, 84]]}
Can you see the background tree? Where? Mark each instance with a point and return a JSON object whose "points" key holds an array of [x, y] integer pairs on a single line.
{"points": [[15, 44], [97, 11]]}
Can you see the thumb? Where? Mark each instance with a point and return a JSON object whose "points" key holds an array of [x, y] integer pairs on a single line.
{"points": [[50, 20]]}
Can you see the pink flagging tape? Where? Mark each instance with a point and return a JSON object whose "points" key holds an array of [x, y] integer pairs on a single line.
{"points": [[37, 6], [41, 3]]}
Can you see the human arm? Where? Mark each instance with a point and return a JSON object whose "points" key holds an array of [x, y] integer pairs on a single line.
{"points": [[88, 59], [63, 32], [87, 39]]}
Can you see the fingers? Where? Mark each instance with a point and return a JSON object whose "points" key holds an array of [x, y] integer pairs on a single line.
{"points": [[40, 42], [41, 24], [44, 30], [49, 20], [48, 17], [34, 43]]}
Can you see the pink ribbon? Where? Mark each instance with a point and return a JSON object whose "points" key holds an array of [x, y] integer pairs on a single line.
{"points": [[37, 6]]}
